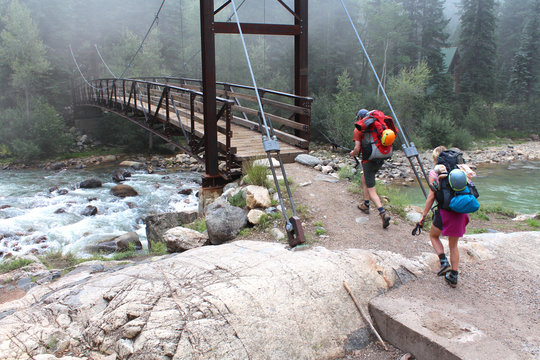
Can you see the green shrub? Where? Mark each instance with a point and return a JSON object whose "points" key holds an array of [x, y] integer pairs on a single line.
{"points": [[158, 248], [57, 260], [255, 174], [437, 129], [462, 139], [198, 225], [533, 223], [238, 200], [9, 265]]}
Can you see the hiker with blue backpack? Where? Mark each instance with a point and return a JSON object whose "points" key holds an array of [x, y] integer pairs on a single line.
{"points": [[455, 194], [373, 136]]}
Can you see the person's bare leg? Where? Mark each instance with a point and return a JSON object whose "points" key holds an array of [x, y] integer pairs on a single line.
{"points": [[454, 252], [372, 193], [364, 187], [435, 237]]}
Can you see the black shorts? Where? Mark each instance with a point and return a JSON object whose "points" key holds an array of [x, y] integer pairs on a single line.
{"points": [[437, 220], [370, 169]]}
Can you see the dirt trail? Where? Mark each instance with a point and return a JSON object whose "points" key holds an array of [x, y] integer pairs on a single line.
{"points": [[335, 206]]}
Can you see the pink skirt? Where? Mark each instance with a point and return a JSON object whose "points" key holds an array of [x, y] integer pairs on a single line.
{"points": [[454, 224]]}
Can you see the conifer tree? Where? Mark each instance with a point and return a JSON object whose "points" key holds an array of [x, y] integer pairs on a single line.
{"points": [[477, 50], [525, 66]]}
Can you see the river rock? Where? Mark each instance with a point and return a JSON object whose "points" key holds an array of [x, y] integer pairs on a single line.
{"points": [[180, 239], [123, 191], [157, 225], [308, 160], [257, 197], [118, 243], [224, 221], [134, 164], [120, 175], [254, 216], [90, 184], [90, 210]]}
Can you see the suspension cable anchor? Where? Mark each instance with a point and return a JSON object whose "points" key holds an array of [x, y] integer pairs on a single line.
{"points": [[295, 231]]}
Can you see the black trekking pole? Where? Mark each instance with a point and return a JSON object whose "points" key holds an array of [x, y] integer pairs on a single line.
{"points": [[336, 145]]}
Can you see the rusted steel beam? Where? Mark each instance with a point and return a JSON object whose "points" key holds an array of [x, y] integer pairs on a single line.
{"points": [[255, 28], [301, 63], [208, 54]]}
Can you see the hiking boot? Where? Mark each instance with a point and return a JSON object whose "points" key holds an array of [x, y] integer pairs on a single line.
{"points": [[364, 208], [451, 278], [445, 267], [385, 219]]}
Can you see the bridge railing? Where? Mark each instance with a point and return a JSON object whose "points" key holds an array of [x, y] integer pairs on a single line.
{"points": [[164, 109], [289, 114]]}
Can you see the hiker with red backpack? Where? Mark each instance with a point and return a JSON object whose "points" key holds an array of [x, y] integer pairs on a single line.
{"points": [[373, 136], [451, 187]]}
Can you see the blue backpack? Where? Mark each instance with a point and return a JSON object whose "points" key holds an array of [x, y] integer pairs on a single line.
{"points": [[464, 201], [459, 201]]}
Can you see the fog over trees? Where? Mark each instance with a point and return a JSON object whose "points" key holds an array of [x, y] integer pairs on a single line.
{"points": [[495, 46]]}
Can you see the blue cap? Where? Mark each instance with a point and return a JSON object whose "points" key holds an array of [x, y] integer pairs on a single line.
{"points": [[362, 113]]}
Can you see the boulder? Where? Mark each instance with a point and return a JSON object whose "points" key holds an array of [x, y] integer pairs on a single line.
{"points": [[308, 160], [241, 300], [90, 210], [134, 164], [180, 239], [120, 175], [254, 216], [122, 190], [157, 225], [264, 162], [224, 221], [257, 197], [90, 184], [118, 243]]}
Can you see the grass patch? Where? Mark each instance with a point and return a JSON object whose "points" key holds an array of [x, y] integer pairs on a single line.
{"points": [[198, 225], [9, 265], [318, 224], [355, 189], [492, 209], [131, 252], [238, 200], [57, 260], [245, 232], [533, 223], [158, 248], [347, 172], [320, 231], [255, 174], [397, 201], [477, 231]]}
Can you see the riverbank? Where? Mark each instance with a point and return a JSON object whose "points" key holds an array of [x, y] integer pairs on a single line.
{"points": [[399, 170]]}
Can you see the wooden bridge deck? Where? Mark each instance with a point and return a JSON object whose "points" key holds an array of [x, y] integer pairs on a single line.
{"points": [[173, 106]]}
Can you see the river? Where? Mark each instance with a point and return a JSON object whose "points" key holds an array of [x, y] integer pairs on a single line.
{"points": [[33, 215], [514, 186]]}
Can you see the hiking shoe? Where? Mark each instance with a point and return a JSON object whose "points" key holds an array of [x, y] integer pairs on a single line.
{"points": [[451, 278], [364, 208], [385, 219], [445, 267]]}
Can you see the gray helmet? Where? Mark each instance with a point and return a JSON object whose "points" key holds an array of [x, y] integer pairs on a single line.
{"points": [[362, 113], [457, 180]]}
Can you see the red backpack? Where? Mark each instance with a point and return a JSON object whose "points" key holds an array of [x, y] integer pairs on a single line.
{"points": [[372, 128]]}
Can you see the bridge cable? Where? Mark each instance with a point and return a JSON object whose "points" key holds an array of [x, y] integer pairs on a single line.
{"points": [[80, 72], [408, 147], [104, 63], [271, 144], [156, 17]]}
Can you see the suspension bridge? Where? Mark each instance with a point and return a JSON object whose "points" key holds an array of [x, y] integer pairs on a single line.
{"points": [[220, 123]]}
